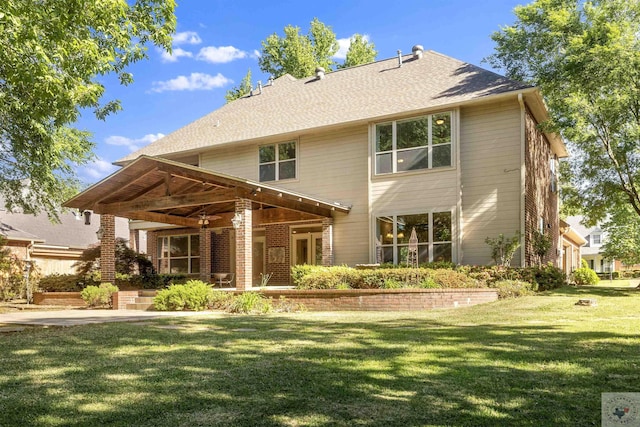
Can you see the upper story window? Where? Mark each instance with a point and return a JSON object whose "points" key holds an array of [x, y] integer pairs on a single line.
{"points": [[554, 175], [414, 144], [278, 161], [596, 239]]}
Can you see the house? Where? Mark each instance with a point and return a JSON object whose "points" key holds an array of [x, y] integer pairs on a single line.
{"points": [[340, 167], [53, 247], [595, 237], [571, 247]]}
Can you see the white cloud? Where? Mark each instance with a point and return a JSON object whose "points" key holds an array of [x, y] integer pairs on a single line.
{"points": [[98, 169], [220, 55], [196, 81], [186, 37], [133, 144], [344, 46], [256, 54], [173, 56]]}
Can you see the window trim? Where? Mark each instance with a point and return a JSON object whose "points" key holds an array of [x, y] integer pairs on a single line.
{"points": [[189, 257], [277, 160], [395, 245], [429, 147]]}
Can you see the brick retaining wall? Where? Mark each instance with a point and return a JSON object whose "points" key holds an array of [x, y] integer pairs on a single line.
{"points": [[384, 299], [59, 298], [120, 299]]}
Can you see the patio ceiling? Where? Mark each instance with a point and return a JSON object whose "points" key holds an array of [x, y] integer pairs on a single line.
{"points": [[165, 191]]}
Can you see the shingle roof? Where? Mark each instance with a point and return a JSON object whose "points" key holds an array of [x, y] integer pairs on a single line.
{"points": [[69, 232], [352, 95]]}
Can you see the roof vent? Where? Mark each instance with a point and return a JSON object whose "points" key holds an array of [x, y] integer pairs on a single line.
{"points": [[417, 51], [270, 81], [399, 58], [260, 87], [320, 73]]}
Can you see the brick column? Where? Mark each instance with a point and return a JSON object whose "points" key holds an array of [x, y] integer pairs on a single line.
{"points": [[244, 257], [134, 240], [327, 242], [108, 249], [205, 254]]}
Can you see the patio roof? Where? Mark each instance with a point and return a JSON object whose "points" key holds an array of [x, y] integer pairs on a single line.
{"points": [[165, 191]]}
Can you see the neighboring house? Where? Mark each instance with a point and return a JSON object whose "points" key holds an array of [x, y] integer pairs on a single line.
{"points": [[571, 247], [339, 168], [54, 248], [592, 250]]}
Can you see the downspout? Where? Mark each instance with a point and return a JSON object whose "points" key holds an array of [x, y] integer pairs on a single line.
{"points": [[523, 125]]}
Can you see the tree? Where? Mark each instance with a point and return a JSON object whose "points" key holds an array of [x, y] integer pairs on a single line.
{"points": [[299, 55], [503, 248], [243, 89], [51, 56], [585, 58], [361, 51], [623, 237], [128, 261]]}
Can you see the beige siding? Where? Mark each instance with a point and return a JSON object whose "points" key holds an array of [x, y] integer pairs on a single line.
{"points": [[331, 166], [490, 171]]}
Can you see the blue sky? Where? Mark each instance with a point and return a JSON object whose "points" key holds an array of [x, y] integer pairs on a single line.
{"points": [[217, 41]]}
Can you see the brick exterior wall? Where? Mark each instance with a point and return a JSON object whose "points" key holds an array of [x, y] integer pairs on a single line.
{"points": [[277, 236], [540, 201], [221, 251], [205, 254], [327, 242], [108, 249], [120, 299]]}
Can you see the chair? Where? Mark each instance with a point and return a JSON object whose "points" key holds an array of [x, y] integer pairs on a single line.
{"points": [[224, 278]]}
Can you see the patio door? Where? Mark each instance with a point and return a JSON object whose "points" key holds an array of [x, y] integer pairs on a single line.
{"points": [[307, 248], [259, 261]]}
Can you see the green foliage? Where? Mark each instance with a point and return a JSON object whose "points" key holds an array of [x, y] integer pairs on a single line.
{"points": [[243, 89], [514, 288], [61, 283], [316, 277], [623, 236], [194, 295], [546, 277], [250, 302], [584, 276], [299, 55], [541, 244], [220, 300], [503, 248], [97, 296], [361, 51], [127, 260], [53, 56], [12, 276], [585, 58]]}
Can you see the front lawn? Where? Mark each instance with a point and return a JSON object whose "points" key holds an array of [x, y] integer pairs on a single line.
{"points": [[537, 361]]}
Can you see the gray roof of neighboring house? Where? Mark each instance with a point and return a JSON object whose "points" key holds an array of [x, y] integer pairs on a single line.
{"points": [[68, 233], [576, 223], [353, 95]]}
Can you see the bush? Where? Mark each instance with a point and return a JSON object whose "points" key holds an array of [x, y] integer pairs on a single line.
{"points": [[220, 300], [514, 288], [584, 276], [250, 302], [194, 295], [96, 296]]}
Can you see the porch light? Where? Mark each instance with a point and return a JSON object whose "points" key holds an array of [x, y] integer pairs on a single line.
{"points": [[439, 121], [236, 220], [203, 221], [100, 233]]}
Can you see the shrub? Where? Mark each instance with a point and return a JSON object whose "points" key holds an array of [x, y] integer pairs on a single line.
{"points": [[194, 295], [96, 296], [514, 288], [503, 248], [250, 302], [547, 277], [453, 279], [428, 283], [584, 276], [283, 305], [220, 300]]}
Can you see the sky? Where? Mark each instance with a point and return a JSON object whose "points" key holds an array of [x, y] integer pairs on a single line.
{"points": [[218, 41]]}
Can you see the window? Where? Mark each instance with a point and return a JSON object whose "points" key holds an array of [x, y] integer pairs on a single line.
{"points": [[596, 239], [277, 161], [432, 229], [179, 254], [414, 144], [553, 177]]}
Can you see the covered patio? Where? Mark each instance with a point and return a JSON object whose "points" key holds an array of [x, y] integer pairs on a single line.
{"points": [[171, 193]]}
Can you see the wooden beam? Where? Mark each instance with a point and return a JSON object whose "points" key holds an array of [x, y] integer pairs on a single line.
{"points": [[288, 202], [168, 202], [279, 215], [163, 218]]}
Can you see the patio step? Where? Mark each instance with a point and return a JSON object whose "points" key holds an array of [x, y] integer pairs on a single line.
{"points": [[144, 302]]}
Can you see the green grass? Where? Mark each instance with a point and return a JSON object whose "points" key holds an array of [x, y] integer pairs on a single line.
{"points": [[534, 361]]}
